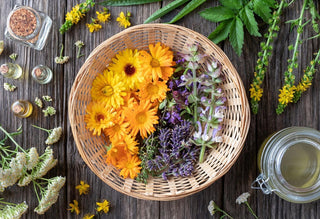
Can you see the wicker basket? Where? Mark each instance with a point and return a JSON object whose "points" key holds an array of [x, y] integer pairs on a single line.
{"points": [[235, 125]]}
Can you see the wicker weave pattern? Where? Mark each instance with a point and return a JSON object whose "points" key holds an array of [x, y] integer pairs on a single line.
{"points": [[217, 163]]}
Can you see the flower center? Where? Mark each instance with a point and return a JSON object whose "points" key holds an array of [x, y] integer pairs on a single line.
{"points": [[107, 90], [129, 69], [99, 117], [141, 117], [116, 128], [152, 89], [155, 63]]}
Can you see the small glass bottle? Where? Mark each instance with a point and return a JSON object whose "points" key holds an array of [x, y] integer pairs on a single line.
{"points": [[22, 108], [41, 74], [28, 26], [11, 70], [289, 161]]}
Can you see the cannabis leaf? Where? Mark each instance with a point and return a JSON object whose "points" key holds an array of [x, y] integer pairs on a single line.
{"points": [[233, 15]]}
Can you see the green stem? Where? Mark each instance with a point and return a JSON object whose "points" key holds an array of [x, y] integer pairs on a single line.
{"points": [[222, 211], [78, 53], [9, 136], [251, 211], [194, 92], [43, 129], [61, 51], [201, 156], [35, 189]]}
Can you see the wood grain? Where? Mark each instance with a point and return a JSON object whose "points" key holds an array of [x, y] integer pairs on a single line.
{"points": [[224, 192]]}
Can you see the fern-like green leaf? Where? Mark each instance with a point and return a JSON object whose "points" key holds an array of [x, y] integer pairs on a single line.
{"points": [[249, 21], [222, 31], [262, 9], [270, 3], [187, 9], [237, 35], [217, 14], [163, 11], [232, 4], [126, 2]]}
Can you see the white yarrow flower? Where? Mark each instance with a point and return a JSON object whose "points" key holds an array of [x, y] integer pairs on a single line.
{"points": [[47, 98], [38, 102], [49, 111], [47, 162], [211, 208], [243, 198], [14, 212], [61, 60], [54, 136], [32, 158], [79, 44], [9, 87], [51, 194]]}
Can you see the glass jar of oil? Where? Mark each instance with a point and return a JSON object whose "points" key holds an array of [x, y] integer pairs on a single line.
{"points": [[289, 162], [22, 108]]}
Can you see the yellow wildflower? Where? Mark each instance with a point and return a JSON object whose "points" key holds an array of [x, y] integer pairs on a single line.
{"points": [[88, 216], [103, 206], [286, 94], [74, 15], [74, 207], [94, 26], [104, 16], [124, 20], [255, 92], [304, 84], [83, 188]]}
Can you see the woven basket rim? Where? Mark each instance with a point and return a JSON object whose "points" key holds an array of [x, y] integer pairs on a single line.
{"points": [[239, 84]]}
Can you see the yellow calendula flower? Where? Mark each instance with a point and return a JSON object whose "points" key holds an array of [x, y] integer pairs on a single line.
{"points": [[83, 188], [153, 90], [103, 16], [130, 167], [286, 94], [74, 207], [88, 216], [94, 27], [256, 92], [103, 206], [124, 20]]}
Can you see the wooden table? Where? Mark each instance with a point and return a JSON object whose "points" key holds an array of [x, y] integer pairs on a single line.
{"points": [[224, 191]]}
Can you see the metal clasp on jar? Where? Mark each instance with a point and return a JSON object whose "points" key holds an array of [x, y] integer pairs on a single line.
{"points": [[262, 184]]}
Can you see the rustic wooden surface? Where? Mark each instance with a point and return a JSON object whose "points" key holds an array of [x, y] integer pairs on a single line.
{"points": [[224, 192]]}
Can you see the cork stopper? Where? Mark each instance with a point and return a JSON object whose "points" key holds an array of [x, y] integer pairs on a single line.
{"points": [[17, 109], [23, 22], [38, 72], [4, 69]]}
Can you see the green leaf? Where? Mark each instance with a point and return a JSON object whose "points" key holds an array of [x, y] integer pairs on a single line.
{"points": [[221, 32], [217, 14], [187, 9], [270, 3], [126, 2], [237, 35], [163, 11], [262, 10], [232, 4], [248, 19]]}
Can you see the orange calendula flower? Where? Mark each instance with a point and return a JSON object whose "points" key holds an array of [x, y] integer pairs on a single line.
{"points": [[130, 144], [130, 167], [83, 188], [109, 89], [98, 117], [127, 65], [141, 118], [115, 153], [74, 207], [153, 90], [119, 129], [103, 206], [157, 64]]}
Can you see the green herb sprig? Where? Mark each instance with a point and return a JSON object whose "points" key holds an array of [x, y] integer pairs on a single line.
{"points": [[126, 2], [263, 57], [233, 15], [288, 89]]}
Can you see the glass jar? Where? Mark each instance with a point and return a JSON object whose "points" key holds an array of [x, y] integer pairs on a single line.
{"points": [[28, 26], [11, 70], [289, 161], [41, 74], [22, 108]]}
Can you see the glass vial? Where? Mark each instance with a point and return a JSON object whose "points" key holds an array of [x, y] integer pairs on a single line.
{"points": [[289, 161], [41, 74], [22, 108], [28, 26], [11, 70]]}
